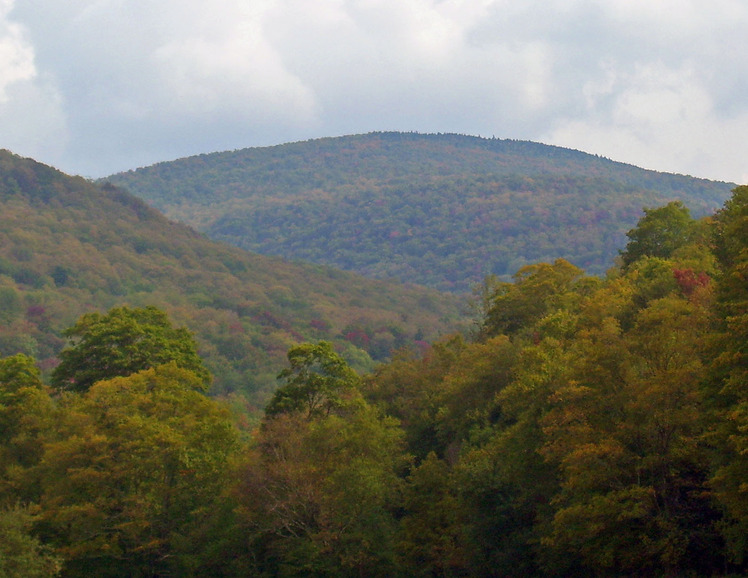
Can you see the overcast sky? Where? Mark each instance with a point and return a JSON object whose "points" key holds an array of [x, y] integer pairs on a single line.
{"points": [[98, 86]]}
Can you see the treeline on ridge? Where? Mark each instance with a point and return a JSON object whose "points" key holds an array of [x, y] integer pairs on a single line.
{"points": [[590, 427]]}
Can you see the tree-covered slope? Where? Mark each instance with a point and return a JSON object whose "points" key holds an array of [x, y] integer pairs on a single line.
{"points": [[440, 210], [68, 247]]}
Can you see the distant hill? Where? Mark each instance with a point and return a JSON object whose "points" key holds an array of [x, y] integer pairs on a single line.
{"points": [[440, 210], [68, 246]]}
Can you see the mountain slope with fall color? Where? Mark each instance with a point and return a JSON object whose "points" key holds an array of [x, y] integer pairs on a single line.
{"points": [[440, 210], [68, 246]]}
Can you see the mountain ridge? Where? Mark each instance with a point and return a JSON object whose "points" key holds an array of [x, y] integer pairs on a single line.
{"points": [[416, 206], [69, 246]]}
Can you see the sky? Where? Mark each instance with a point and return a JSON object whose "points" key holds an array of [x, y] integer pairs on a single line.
{"points": [[94, 87]]}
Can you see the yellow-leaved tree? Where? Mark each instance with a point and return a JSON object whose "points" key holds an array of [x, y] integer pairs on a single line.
{"points": [[138, 468]]}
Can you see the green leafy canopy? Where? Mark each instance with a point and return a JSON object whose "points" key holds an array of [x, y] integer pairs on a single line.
{"points": [[316, 382], [121, 343]]}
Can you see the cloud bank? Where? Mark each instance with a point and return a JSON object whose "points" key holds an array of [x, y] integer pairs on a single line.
{"points": [[97, 86]]}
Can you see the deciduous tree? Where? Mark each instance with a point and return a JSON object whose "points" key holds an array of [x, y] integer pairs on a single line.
{"points": [[121, 343], [728, 384], [659, 232], [26, 417], [317, 382], [139, 464]]}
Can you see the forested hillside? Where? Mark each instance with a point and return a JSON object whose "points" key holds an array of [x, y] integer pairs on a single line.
{"points": [[440, 210], [591, 427], [69, 247]]}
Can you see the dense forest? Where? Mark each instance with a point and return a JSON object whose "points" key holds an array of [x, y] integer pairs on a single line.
{"points": [[590, 426], [439, 210], [69, 247]]}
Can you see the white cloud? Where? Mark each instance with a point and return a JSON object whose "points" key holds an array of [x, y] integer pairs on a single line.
{"points": [[656, 118], [16, 55], [32, 121], [241, 72], [655, 83]]}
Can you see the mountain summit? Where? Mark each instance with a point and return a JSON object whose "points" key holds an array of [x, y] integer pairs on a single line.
{"points": [[437, 209]]}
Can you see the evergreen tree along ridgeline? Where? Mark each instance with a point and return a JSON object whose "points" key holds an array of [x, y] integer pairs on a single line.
{"points": [[590, 427]]}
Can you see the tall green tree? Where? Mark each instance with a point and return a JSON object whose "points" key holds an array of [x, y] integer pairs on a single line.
{"points": [[728, 386], [319, 496], [431, 538], [27, 415], [137, 470], [317, 381], [22, 555], [624, 428], [321, 488], [537, 290], [121, 343], [659, 232], [411, 389]]}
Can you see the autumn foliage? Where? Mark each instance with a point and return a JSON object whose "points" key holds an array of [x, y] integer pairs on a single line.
{"points": [[588, 427]]}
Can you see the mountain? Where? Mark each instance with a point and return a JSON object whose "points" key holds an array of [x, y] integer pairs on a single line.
{"points": [[441, 210], [69, 246]]}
